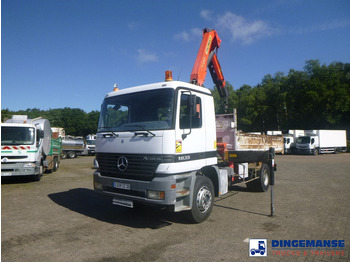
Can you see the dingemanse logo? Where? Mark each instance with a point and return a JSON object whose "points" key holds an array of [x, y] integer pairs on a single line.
{"points": [[258, 247]]}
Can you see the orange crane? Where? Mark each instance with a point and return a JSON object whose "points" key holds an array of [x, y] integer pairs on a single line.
{"points": [[207, 58]]}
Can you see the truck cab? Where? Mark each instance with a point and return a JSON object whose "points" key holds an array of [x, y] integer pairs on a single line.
{"points": [[90, 143], [307, 144], [153, 137], [288, 141], [156, 144], [25, 143]]}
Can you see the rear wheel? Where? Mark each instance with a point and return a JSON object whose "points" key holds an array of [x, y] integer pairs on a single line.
{"points": [[262, 183], [55, 164], [71, 154], [63, 155], [203, 199]]}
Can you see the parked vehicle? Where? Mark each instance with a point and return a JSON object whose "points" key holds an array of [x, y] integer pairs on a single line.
{"points": [[321, 141], [73, 147], [289, 140], [90, 142], [59, 130], [55, 153], [157, 144], [226, 125], [27, 148], [248, 141]]}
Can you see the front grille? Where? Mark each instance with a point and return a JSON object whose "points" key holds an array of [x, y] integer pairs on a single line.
{"points": [[14, 157], [125, 192], [140, 167], [8, 170]]}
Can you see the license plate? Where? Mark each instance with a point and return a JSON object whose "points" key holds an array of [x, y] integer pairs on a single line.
{"points": [[121, 185], [123, 202], [6, 174]]}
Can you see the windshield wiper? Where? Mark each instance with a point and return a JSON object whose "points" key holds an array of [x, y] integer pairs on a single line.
{"points": [[109, 131], [142, 133]]}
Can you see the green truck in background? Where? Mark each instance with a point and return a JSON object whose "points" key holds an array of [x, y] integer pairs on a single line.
{"points": [[54, 156]]}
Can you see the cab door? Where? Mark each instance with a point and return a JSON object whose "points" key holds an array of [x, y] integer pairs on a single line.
{"points": [[190, 131]]}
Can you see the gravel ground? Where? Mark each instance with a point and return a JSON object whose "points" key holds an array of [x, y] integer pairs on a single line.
{"points": [[61, 218]]}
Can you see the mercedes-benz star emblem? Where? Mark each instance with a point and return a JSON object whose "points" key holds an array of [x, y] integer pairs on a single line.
{"points": [[122, 163]]}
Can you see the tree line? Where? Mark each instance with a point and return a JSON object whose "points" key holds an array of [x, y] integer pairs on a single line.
{"points": [[316, 98], [76, 122]]}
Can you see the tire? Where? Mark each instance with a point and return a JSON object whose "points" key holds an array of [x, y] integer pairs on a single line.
{"points": [[316, 152], [262, 183], [63, 155], [56, 165], [71, 154], [203, 200], [41, 172]]}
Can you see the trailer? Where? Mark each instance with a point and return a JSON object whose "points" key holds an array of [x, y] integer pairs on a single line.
{"points": [[73, 147], [54, 156]]}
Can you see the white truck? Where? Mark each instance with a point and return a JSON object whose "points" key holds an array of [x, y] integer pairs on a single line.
{"points": [[321, 141], [26, 147], [157, 145], [90, 143], [290, 138]]}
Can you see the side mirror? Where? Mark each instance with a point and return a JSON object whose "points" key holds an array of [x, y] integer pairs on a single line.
{"points": [[40, 134], [117, 107]]}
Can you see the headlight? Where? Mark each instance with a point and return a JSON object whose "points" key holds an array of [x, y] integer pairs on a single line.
{"points": [[159, 195], [98, 185], [95, 163]]}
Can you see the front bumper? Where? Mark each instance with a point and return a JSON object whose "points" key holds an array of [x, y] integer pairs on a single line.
{"points": [[19, 169], [304, 151], [136, 190]]}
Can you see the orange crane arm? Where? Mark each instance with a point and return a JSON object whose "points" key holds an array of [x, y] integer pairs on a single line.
{"points": [[207, 58]]}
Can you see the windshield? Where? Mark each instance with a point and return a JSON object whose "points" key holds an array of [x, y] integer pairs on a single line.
{"points": [[17, 135], [148, 110], [91, 142], [303, 140]]}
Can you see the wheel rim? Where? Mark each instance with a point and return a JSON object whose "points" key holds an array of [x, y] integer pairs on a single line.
{"points": [[265, 178], [204, 199]]}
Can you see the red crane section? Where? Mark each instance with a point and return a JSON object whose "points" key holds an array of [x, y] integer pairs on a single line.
{"points": [[207, 58]]}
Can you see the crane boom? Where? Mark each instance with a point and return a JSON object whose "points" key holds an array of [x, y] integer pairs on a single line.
{"points": [[207, 58]]}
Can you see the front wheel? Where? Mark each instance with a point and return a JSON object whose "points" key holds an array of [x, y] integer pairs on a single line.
{"points": [[203, 199], [41, 172]]}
